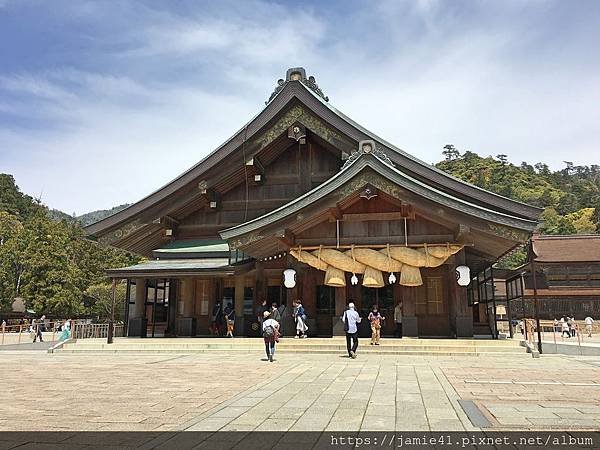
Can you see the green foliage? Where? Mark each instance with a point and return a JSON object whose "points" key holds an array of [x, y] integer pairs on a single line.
{"points": [[570, 197], [101, 300], [48, 262], [513, 260]]}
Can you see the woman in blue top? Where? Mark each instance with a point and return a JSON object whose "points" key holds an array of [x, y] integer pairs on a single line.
{"points": [[299, 316]]}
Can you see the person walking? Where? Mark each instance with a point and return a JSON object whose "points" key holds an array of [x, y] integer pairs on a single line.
{"points": [[275, 314], [33, 330], [589, 325], [66, 330], [229, 314], [351, 318], [398, 319], [270, 332], [375, 318], [299, 316], [571, 322], [565, 327], [260, 311], [40, 328], [216, 320]]}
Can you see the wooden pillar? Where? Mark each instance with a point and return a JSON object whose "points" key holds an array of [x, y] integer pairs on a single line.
{"points": [[140, 298], [240, 285], [259, 285], [410, 323], [463, 313], [187, 297], [340, 307]]}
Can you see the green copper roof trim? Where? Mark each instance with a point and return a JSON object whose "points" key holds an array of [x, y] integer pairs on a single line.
{"points": [[393, 174]]}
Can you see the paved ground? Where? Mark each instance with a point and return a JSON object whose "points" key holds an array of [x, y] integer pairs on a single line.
{"points": [[207, 392]]}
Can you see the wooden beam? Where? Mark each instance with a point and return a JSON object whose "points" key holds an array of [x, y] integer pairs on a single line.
{"points": [[462, 233], [286, 237], [382, 240], [363, 217], [336, 213]]}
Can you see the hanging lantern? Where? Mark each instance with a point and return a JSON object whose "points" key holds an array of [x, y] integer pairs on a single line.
{"points": [[463, 275], [289, 278], [392, 278], [354, 279]]}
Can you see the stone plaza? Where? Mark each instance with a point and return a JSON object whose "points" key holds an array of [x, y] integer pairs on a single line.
{"points": [[226, 391]]}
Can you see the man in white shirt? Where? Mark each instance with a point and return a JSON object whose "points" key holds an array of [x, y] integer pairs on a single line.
{"points": [[398, 319], [350, 319], [589, 323]]}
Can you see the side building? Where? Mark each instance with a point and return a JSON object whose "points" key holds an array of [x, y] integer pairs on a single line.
{"points": [[303, 187], [567, 279]]}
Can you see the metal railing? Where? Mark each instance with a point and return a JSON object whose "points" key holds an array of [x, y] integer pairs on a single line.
{"points": [[95, 330], [549, 327], [22, 333]]}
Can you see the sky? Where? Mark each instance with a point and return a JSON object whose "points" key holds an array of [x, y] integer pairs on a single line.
{"points": [[103, 102]]}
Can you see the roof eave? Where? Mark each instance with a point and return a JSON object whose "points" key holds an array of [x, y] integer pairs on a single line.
{"points": [[350, 172]]}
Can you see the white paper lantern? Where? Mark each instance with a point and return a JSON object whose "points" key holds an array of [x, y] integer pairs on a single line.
{"points": [[463, 275], [289, 278], [392, 278], [354, 279]]}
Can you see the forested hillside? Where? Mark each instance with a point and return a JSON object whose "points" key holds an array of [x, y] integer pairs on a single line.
{"points": [[48, 262], [570, 197], [87, 218]]}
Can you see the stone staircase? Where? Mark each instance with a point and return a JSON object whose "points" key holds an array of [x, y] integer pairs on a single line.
{"points": [[327, 346]]}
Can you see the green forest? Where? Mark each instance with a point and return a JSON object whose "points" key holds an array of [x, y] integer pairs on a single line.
{"points": [[48, 262], [45, 259]]}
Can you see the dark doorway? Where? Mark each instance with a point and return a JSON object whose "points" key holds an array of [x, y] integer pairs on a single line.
{"points": [[325, 310]]}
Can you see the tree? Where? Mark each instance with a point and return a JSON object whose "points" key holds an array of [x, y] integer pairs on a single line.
{"points": [[101, 295], [12, 262], [450, 152]]}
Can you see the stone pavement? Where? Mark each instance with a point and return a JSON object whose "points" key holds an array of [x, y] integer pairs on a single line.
{"points": [[220, 391]]}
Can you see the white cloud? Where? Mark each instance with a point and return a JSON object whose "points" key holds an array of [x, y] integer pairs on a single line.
{"points": [[174, 87]]}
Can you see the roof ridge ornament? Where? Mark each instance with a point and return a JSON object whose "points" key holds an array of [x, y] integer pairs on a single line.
{"points": [[297, 74], [367, 147]]}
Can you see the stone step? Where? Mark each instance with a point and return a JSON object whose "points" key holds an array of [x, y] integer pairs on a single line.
{"points": [[304, 342], [299, 348], [292, 351], [335, 345]]}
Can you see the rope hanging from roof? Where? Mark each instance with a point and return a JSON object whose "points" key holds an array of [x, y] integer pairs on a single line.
{"points": [[372, 262]]}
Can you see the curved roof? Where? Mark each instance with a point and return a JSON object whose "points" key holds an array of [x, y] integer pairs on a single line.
{"points": [[384, 168], [300, 90]]}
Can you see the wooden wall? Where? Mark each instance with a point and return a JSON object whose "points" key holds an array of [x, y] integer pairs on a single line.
{"points": [[295, 171]]}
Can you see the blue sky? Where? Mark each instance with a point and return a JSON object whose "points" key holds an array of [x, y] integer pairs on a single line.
{"points": [[103, 102]]}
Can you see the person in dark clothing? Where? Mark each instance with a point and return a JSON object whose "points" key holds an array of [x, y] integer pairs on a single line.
{"points": [[229, 314], [260, 311], [275, 314], [40, 328], [217, 318]]}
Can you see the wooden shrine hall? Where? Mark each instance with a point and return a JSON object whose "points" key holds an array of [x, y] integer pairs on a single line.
{"points": [[303, 188]]}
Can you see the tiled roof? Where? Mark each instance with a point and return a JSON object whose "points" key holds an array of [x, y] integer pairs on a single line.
{"points": [[560, 249]]}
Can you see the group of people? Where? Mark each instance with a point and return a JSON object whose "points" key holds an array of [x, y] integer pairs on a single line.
{"points": [[222, 317], [271, 318], [37, 328], [568, 327], [351, 318], [270, 321]]}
